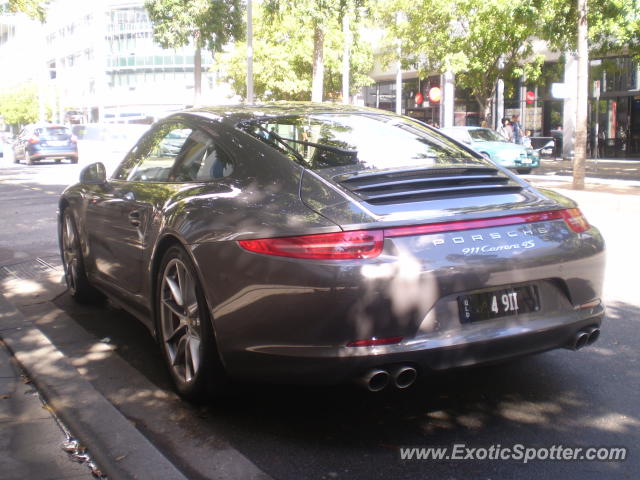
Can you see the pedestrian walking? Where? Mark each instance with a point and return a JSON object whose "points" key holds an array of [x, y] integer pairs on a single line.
{"points": [[517, 129], [505, 129]]}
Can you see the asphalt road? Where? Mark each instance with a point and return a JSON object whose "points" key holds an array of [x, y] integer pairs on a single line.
{"points": [[585, 399]]}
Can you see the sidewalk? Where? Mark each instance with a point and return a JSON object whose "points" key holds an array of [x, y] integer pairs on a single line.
{"points": [[31, 440], [602, 175]]}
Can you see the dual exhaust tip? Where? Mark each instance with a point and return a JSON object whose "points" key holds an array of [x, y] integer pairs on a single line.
{"points": [[584, 337], [378, 379], [404, 376]]}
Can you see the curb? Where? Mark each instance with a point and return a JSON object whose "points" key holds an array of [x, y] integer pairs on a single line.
{"points": [[121, 451]]}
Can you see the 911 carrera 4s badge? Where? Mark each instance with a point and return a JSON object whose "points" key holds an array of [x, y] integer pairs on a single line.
{"points": [[498, 248]]}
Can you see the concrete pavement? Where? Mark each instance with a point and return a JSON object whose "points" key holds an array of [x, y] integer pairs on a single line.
{"points": [[31, 440], [119, 449]]}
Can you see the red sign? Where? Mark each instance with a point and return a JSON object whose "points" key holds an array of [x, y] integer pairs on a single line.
{"points": [[435, 94], [419, 98], [530, 98]]}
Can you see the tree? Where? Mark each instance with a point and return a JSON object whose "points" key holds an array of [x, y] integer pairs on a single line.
{"points": [[480, 41], [209, 24], [579, 161], [283, 52], [606, 26], [614, 26], [33, 8], [20, 105], [318, 15]]}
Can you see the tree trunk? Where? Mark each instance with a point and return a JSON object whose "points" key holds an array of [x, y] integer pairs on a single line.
{"points": [[580, 148], [318, 64], [197, 75], [484, 105]]}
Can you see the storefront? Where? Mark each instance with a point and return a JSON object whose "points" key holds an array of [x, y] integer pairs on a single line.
{"points": [[615, 113], [615, 107]]}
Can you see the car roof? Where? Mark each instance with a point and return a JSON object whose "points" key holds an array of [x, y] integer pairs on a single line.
{"points": [[235, 114], [46, 125]]}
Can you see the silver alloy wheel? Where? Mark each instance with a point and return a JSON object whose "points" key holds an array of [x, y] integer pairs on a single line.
{"points": [[180, 320], [70, 253]]}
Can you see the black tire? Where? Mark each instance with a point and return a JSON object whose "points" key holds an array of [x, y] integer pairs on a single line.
{"points": [[27, 158], [74, 273], [74, 159], [15, 158], [58, 160], [184, 329], [524, 171]]}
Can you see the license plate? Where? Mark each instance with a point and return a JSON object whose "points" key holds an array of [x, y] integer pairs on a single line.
{"points": [[57, 143], [526, 160], [498, 303]]}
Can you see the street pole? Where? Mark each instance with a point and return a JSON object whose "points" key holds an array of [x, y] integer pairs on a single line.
{"points": [[399, 18], [346, 29], [596, 96], [579, 161], [249, 53]]}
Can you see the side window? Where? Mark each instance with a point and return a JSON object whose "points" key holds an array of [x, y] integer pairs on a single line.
{"points": [[202, 160], [152, 160]]}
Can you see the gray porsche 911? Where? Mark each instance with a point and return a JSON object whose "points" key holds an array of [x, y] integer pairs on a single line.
{"points": [[312, 243]]}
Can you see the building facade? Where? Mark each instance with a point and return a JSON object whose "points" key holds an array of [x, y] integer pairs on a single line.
{"points": [[614, 102], [99, 59]]}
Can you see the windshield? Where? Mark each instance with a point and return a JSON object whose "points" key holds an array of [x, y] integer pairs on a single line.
{"points": [[485, 135], [369, 140]]}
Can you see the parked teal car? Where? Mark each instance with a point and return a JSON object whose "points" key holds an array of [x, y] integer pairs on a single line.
{"points": [[495, 147]]}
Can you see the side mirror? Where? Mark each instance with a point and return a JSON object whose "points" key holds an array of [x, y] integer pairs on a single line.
{"points": [[93, 174]]}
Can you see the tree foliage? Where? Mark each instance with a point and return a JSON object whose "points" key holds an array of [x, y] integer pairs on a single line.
{"points": [[478, 40], [484, 40], [209, 24], [19, 106], [318, 17], [614, 25], [33, 8], [283, 58]]}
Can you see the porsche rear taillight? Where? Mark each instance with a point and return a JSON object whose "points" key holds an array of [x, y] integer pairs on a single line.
{"points": [[325, 246], [576, 221], [361, 244]]}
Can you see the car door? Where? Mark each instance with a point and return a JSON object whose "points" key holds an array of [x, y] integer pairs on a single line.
{"points": [[120, 216], [19, 143]]}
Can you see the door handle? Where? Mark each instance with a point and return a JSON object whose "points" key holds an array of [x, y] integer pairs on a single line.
{"points": [[134, 218]]}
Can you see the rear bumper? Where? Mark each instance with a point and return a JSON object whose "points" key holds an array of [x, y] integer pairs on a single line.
{"points": [[484, 342], [54, 154], [38, 152]]}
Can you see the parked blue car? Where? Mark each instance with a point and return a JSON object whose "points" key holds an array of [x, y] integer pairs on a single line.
{"points": [[495, 147], [45, 141]]}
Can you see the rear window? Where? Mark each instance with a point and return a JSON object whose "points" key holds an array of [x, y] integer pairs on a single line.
{"points": [[371, 140], [53, 132]]}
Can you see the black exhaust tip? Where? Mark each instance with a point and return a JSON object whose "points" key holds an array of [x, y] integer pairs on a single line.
{"points": [[594, 335]]}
